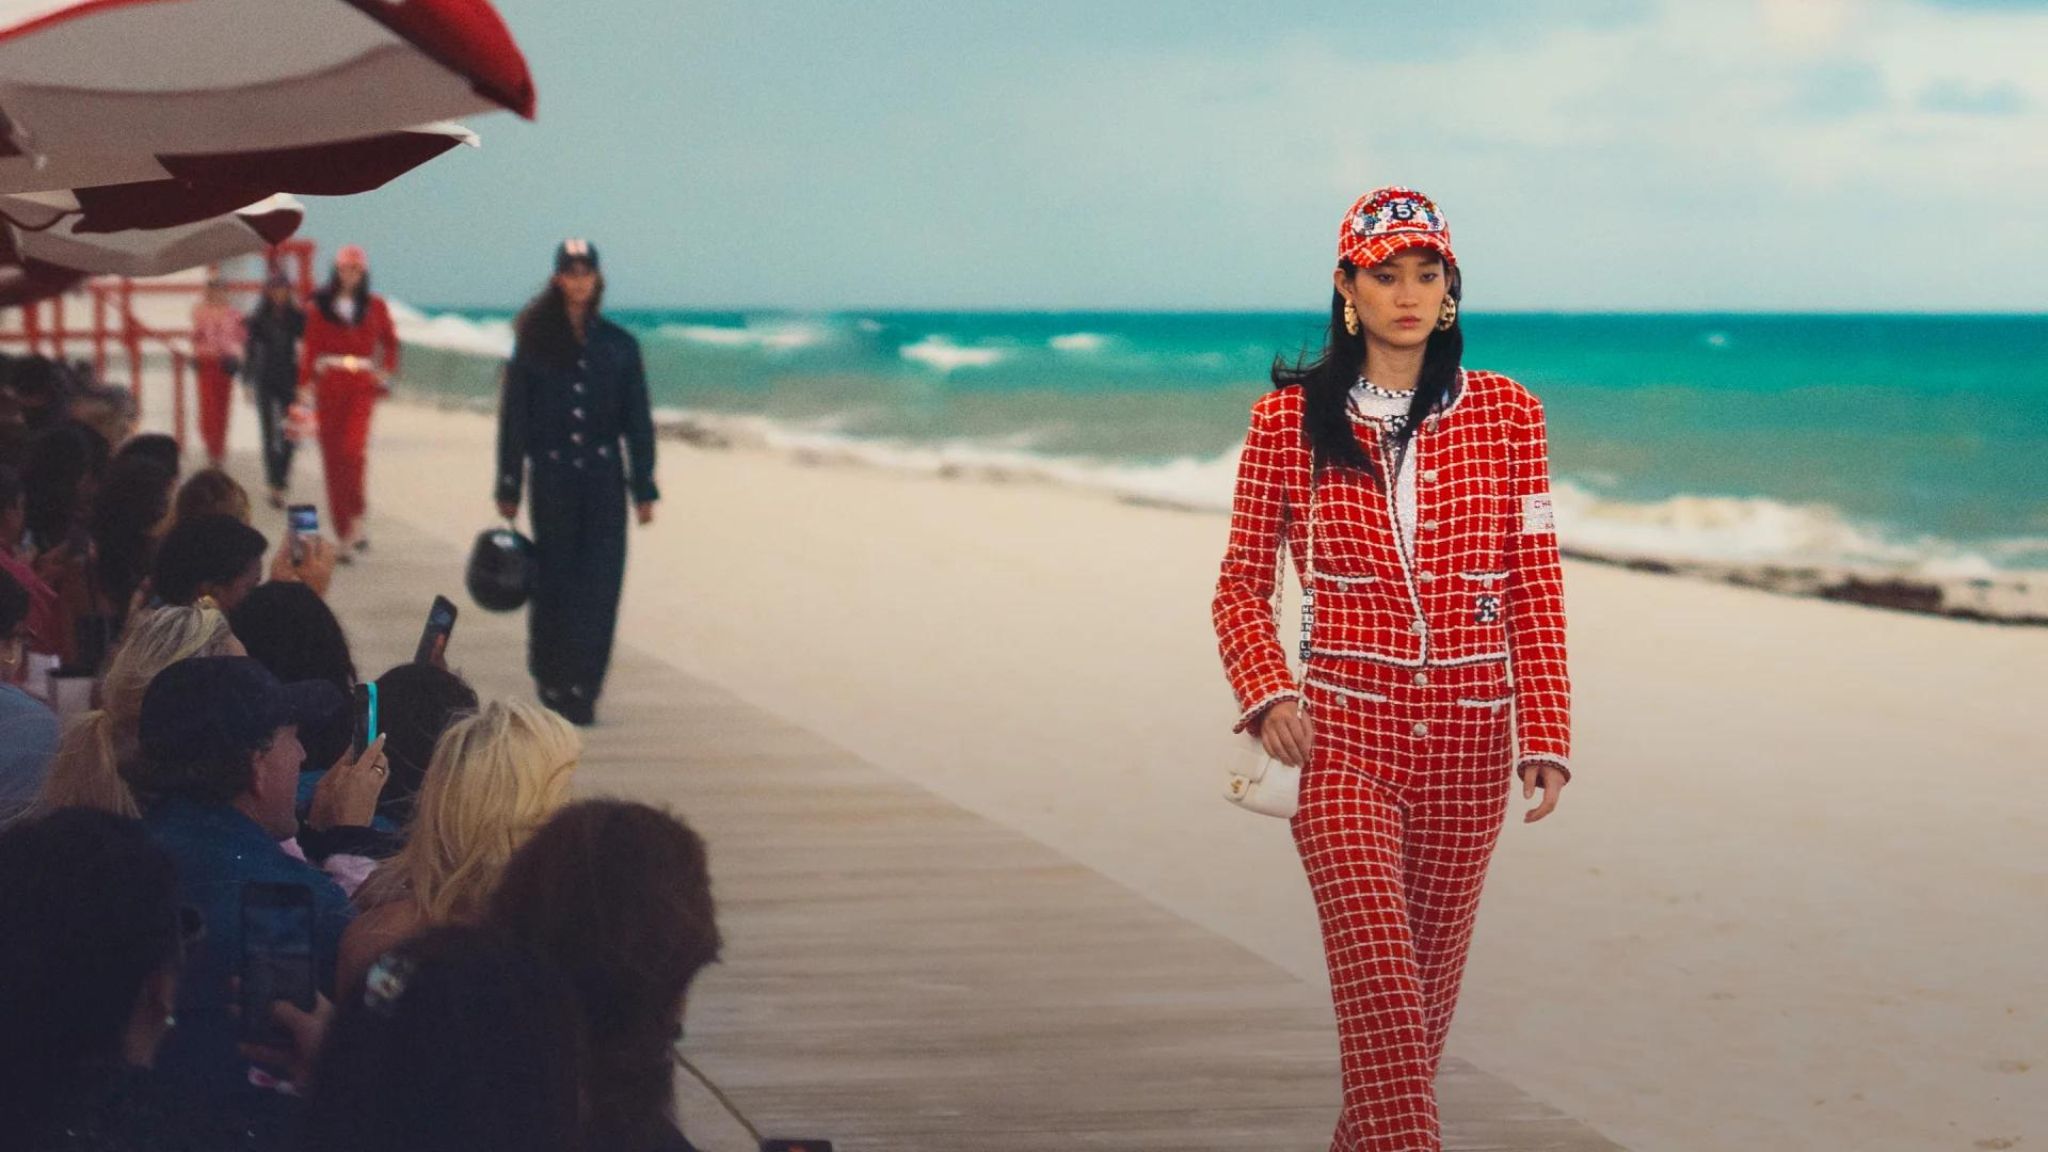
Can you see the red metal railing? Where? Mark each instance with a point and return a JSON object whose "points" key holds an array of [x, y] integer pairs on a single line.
{"points": [[114, 322]]}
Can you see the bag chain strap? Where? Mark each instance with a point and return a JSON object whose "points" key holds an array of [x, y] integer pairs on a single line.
{"points": [[1308, 591]]}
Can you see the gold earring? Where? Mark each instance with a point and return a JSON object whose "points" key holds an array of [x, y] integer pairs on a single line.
{"points": [[1350, 318], [1449, 316]]}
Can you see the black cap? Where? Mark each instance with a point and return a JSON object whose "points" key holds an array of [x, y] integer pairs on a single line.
{"points": [[211, 708], [572, 252]]}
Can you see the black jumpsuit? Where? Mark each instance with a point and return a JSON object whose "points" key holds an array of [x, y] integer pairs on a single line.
{"points": [[585, 427], [271, 366]]}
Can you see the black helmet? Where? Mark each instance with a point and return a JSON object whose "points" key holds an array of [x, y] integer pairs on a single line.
{"points": [[500, 576]]}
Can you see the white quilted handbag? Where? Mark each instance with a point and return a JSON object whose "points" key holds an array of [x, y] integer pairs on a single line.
{"points": [[1266, 784]]}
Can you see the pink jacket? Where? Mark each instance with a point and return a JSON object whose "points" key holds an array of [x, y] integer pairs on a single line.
{"points": [[217, 330]]}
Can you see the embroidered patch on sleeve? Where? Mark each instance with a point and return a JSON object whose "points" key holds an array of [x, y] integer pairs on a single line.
{"points": [[1538, 518]]}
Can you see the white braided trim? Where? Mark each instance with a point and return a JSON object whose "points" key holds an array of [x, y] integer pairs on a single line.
{"points": [[1245, 718]]}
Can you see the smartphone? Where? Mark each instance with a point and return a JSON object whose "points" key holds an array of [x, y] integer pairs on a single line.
{"points": [[365, 708], [301, 520], [277, 956], [440, 623]]}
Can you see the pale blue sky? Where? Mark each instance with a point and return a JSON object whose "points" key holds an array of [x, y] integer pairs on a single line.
{"points": [[1590, 154]]}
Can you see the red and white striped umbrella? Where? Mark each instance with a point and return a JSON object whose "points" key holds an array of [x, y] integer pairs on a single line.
{"points": [[25, 281], [218, 185], [262, 95], [152, 251]]}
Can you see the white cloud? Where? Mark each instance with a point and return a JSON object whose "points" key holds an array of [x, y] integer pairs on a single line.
{"points": [[1721, 155], [1591, 153]]}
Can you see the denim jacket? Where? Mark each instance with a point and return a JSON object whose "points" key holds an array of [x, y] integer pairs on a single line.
{"points": [[217, 850]]}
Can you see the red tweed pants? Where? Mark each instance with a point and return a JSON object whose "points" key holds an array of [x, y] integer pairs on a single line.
{"points": [[345, 401], [216, 395], [1401, 805]]}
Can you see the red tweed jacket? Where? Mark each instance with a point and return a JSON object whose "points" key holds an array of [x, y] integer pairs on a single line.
{"points": [[1484, 583]]}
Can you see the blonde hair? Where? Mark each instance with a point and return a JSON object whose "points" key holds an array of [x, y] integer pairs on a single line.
{"points": [[495, 778], [210, 492], [86, 772]]}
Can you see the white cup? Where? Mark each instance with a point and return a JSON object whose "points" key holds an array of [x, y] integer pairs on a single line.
{"points": [[70, 695]]}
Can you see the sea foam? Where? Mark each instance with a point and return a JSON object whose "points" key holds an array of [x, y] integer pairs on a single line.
{"points": [[450, 333], [768, 336], [946, 356]]}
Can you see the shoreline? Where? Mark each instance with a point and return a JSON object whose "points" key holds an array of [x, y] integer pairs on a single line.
{"points": [[2012, 600]]}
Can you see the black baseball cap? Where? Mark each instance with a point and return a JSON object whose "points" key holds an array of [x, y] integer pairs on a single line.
{"points": [[211, 708], [572, 252]]}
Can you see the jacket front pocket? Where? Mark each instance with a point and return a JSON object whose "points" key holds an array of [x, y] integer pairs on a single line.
{"points": [[1344, 579], [1490, 704], [1358, 695]]}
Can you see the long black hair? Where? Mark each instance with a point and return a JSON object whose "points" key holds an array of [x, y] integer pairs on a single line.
{"points": [[543, 331], [324, 298], [290, 630], [132, 500], [1326, 382], [418, 703]]}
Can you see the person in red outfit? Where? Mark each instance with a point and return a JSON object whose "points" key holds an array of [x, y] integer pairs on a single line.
{"points": [[1414, 499], [347, 360], [217, 339]]}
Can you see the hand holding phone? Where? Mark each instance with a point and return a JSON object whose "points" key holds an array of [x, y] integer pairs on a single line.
{"points": [[301, 520], [347, 795], [434, 637], [308, 1031], [366, 730], [277, 957]]}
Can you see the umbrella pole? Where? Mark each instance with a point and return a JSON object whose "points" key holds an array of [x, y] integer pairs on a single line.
{"points": [[133, 340], [99, 333], [178, 397]]}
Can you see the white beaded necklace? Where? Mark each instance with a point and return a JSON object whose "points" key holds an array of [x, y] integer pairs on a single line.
{"points": [[1384, 393]]}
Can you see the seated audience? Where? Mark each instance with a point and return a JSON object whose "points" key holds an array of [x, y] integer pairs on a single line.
{"points": [[211, 492], [130, 515], [295, 635], [217, 556], [87, 771], [460, 1040], [494, 778], [13, 514], [58, 480], [618, 896], [36, 384], [218, 772], [92, 942], [107, 409], [416, 703], [63, 465], [28, 729], [155, 446], [45, 617]]}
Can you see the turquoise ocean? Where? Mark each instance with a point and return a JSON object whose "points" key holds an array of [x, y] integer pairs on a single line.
{"points": [[1908, 443]]}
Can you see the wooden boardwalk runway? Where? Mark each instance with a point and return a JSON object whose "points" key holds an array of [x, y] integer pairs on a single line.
{"points": [[903, 975]]}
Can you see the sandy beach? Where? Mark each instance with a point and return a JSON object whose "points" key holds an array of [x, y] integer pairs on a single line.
{"points": [[1794, 897]]}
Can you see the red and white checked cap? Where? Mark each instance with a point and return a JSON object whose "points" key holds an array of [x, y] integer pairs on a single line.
{"points": [[1392, 220], [352, 256]]}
